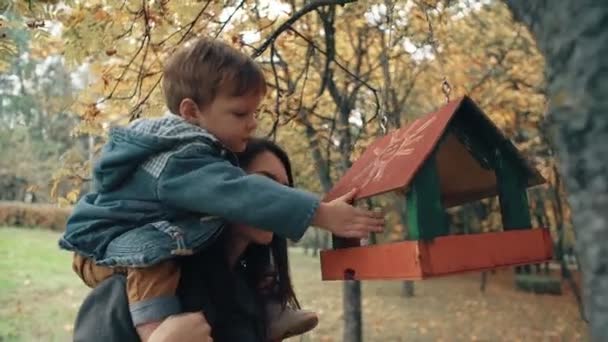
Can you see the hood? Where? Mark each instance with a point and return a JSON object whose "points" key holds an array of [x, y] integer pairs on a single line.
{"points": [[128, 147]]}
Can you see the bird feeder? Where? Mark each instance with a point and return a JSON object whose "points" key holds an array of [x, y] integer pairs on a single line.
{"points": [[446, 158]]}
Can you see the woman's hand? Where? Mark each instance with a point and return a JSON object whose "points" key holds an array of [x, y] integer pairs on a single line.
{"points": [[187, 327]]}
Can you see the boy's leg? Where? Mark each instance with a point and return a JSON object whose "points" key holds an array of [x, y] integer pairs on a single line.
{"points": [[287, 322], [152, 292], [284, 322], [91, 273]]}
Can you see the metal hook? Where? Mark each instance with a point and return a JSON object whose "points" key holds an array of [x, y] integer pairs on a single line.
{"points": [[383, 124], [446, 88]]}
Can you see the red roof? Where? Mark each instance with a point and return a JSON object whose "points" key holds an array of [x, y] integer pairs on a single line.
{"points": [[391, 162]]}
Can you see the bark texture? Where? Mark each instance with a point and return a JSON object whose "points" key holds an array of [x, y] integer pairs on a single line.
{"points": [[573, 36]]}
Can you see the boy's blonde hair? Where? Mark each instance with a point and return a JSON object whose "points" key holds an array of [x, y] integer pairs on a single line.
{"points": [[204, 68]]}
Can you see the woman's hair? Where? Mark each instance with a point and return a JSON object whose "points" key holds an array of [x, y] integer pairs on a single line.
{"points": [[257, 257], [207, 279]]}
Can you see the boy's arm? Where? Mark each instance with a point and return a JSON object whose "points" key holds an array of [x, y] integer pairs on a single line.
{"points": [[211, 185]]}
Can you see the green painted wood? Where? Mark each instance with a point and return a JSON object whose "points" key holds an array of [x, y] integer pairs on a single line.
{"points": [[478, 146], [488, 150], [426, 216], [512, 193]]}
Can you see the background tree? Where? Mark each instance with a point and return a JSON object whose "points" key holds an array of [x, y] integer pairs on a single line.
{"points": [[573, 37], [35, 122]]}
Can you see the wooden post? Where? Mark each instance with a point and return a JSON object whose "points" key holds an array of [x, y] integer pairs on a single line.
{"points": [[426, 217], [340, 242]]}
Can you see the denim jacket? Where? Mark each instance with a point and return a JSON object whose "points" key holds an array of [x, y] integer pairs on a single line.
{"points": [[164, 187]]}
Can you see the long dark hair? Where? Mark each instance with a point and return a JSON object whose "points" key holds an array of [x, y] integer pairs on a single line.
{"points": [[208, 283], [257, 256]]}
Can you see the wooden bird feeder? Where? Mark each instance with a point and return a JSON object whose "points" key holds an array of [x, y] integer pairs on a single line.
{"points": [[444, 159]]}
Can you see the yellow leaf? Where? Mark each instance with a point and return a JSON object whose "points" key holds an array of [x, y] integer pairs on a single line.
{"points": [[72, 196], [63, 202]]}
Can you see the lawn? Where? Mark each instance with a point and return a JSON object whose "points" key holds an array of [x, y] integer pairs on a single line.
{"points": [[39, 297]]}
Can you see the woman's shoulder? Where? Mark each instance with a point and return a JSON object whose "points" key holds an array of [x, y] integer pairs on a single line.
{"points": [[227, 299], [105, 306]]}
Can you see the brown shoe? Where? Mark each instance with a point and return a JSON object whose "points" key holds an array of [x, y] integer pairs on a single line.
{"points": [[286, 323]]}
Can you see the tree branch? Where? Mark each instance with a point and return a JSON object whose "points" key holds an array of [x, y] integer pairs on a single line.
{"points": [[343, 68], [135, 112], [188, 26], [217, 34], [297, 15], [144, 44], [499, 61], [277, 104]]}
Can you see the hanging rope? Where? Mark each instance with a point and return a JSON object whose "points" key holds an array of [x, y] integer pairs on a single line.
{"points": [[446, 87]]}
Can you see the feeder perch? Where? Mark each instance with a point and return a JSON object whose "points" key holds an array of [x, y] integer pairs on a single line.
{"points": [[446, 158]]}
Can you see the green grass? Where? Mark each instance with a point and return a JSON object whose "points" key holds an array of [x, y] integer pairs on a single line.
{"points": [[39, 293], [39, 297]]}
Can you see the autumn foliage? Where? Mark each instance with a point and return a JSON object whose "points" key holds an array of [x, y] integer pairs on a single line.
{"points": [[335, 71]]}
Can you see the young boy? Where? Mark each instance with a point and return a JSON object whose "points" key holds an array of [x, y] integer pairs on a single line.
{"points": [[165, 187]]}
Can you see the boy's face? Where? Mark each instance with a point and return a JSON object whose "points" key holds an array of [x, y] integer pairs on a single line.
{"points": [[231, 119]]}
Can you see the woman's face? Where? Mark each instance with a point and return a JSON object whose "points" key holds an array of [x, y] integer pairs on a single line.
{"points": [[265, 164]]}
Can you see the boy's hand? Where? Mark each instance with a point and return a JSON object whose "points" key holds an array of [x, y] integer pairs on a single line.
{"points": [[344, 220]]}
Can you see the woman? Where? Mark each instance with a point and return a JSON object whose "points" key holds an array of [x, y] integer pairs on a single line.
{"points": [[222, 281]]}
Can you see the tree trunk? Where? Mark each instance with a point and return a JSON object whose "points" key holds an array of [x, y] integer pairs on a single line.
{"points": [[573, 36], [352, 289], [560, 250], [408, 289], [316, 243], [345, 100], [326, 237], [352, 311], [484, 280]]}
